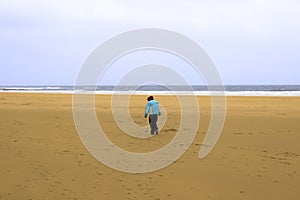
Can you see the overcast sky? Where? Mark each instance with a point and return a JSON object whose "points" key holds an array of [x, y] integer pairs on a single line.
{"points": [[250, 41]]}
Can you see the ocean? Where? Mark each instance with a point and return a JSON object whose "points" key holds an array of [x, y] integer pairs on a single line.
{"points": [[230, 90]]}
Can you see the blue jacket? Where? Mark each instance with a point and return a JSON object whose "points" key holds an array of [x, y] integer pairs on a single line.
{"points": [[152, 107]]}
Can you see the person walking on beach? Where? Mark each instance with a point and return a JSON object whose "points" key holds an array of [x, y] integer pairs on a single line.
{"points": [[153, 109]]}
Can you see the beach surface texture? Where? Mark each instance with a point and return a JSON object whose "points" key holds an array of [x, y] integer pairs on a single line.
{"points": [[42, 157]]}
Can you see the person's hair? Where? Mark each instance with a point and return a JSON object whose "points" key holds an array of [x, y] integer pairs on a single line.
{"points": [[150, 98]]}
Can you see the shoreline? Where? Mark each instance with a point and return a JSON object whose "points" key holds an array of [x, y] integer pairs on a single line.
{"points": [[166, 93]]}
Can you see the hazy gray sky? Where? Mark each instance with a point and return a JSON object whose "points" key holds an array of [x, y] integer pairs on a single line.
{"points": [[251, 41]]}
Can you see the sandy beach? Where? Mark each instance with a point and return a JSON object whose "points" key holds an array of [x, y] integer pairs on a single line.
{"points": [[256, 157]]}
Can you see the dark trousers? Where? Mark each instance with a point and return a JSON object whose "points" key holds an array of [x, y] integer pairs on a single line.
{"points": [[153, 125]]}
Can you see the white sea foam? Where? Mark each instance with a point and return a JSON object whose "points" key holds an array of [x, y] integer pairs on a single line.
{"points": [[197, 93]]}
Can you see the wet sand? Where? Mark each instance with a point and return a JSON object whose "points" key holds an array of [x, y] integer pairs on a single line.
{"points": [[256, 157]]}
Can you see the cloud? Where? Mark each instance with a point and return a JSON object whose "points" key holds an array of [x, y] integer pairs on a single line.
{"points": [[62, 33], [248, 16]]}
